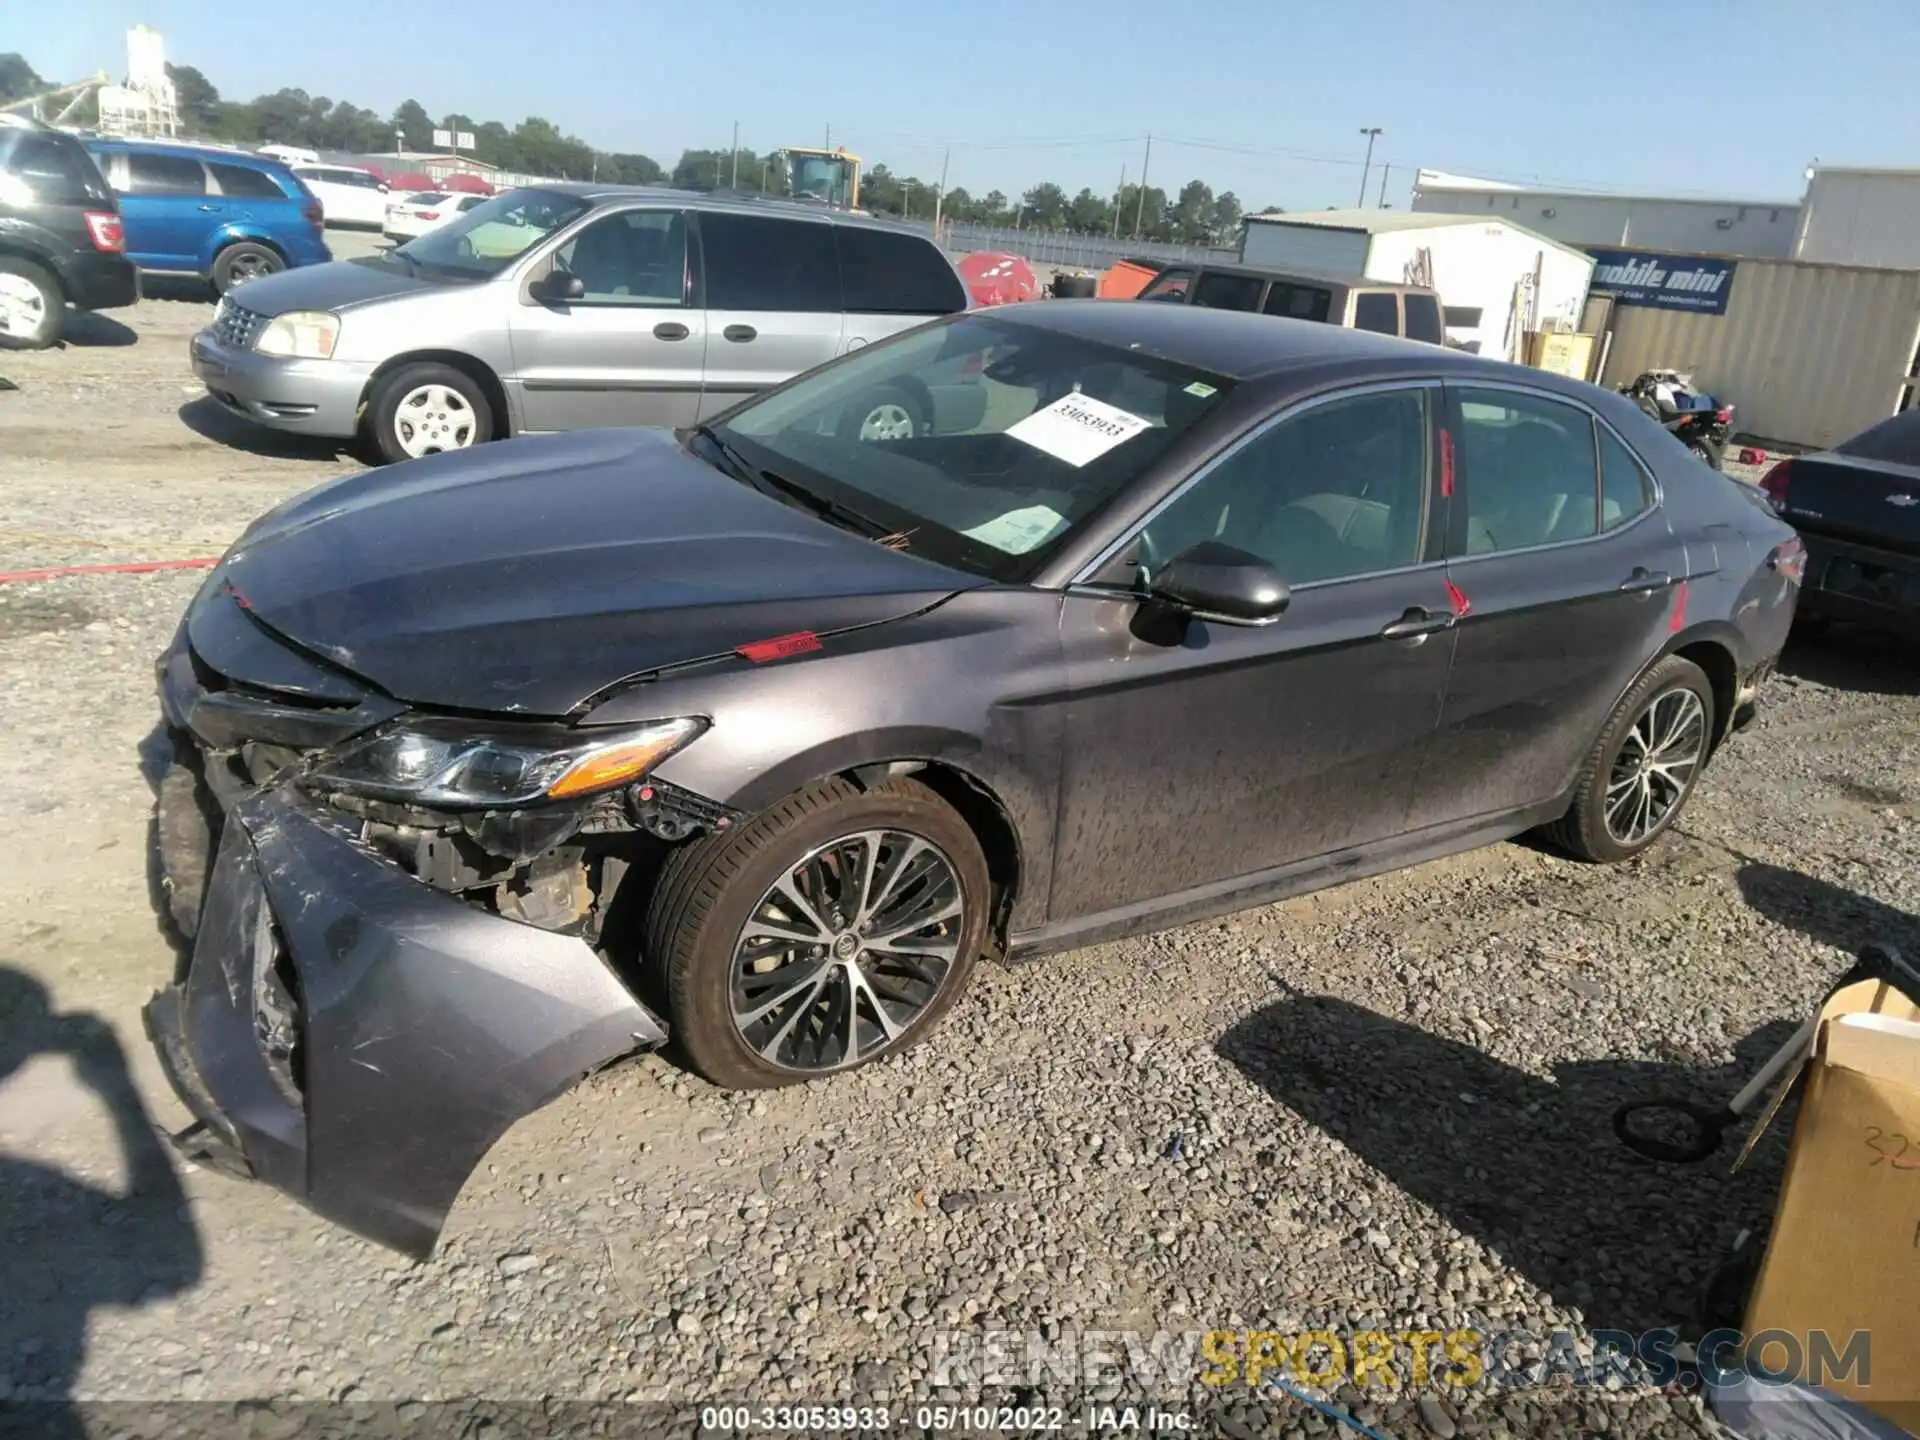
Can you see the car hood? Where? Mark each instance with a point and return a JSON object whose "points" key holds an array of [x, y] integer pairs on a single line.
{"points": [[333, 286], [524, 577]]}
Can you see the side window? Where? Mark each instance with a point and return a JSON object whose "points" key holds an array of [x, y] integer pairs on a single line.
{"points": [[467, 202], [359, 178], [1298, 302], [1530, 471], [885, 273], [1378, 311], [164, 175], [1336, 491], [56, 173], [1625, 487], [1423, 319], [636, 257], [1169, 284], [754, 262], [1221, 291], [242, 181]]}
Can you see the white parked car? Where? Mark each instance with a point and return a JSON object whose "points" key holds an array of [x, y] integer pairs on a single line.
{"points": [[412, 215], [348, 195]]}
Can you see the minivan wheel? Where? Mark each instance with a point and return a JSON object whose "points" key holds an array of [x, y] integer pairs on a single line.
{"points": [[1643, 769], [31, 305], [834, 929], [239, 263], [426, 409], [892, 412]]}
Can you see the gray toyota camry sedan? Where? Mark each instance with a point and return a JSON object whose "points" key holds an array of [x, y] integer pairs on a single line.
{"points": [[494, 767]]}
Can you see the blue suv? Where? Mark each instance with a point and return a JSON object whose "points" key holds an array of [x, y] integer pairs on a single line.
{"points": [[223, 215]]}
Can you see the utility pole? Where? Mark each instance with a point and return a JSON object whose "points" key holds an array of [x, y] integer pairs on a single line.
{"points": [[829, 144], [1372, 132], [1385, 169], [1119, 198], [1140, 208], [734, 183], [940, 195]]}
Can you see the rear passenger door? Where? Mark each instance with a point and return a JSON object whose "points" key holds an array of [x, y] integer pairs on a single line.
{"points": [[1565, 576], [245, 195], [168, 212], [892, 282], [774, 304], [627, 352]]}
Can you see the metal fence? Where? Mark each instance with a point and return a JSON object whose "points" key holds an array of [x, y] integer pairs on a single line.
{"points": [[1064, 249]]}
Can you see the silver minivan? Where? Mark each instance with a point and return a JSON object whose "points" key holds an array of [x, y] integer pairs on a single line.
{"points": [[566, 306]]}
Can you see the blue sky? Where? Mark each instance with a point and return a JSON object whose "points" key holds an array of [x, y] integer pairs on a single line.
{"points": [[1715, 97]]}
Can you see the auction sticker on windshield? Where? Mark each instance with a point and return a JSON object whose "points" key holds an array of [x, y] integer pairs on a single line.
{"points": [[1019, 531], [1077, 428]]}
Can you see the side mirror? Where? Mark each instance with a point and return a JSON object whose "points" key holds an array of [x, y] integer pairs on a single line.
{"points": [[1217, 582], [558, 286]]}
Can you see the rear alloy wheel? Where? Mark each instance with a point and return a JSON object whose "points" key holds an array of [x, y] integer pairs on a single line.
{"points": [[426, 409], [31, 306], [238, 264], [834, 929], [891, 413], [1644, 767]]}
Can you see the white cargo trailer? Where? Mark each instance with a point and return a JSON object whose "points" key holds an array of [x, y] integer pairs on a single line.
{"points": [[1497, 279]]}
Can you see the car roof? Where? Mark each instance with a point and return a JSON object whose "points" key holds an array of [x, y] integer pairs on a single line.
{"points": [[1244, 346], [218, 154], [736, 204], [1310, 277]]}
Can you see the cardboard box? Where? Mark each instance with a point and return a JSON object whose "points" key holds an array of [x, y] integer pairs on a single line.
{"points": [[1844, 1254], [1560, 353]]}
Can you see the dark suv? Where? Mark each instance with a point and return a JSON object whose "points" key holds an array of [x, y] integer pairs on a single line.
{"points": [[61, 241]]}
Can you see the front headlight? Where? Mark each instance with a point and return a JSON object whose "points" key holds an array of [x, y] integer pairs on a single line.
{"points": [[437, 763], [300, 335]]}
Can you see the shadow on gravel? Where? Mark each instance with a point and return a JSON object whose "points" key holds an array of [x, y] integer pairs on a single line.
{"points": [[1829, 914], [206, 417], [89, 328], [71, 1246], [1529, 1167], [190, 288], [1852, 657]]}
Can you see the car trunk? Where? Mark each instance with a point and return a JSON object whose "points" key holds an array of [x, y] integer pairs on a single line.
{"points": [[1869, 502]]}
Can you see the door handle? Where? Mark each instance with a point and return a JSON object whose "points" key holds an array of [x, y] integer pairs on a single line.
{"points": [[739, 334], [1417, 621], [1643, 580], [670, 330]]}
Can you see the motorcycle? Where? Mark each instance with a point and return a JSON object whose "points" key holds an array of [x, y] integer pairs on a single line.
{"points": [[1698, 421]]}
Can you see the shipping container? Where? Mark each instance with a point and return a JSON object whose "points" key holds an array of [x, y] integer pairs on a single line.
{"points": [[1860, 217], [1516, 279], [1808, 354]]}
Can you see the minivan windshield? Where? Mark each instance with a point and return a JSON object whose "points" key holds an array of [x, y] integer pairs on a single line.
{"points": [[491, 236], [978, 442]]}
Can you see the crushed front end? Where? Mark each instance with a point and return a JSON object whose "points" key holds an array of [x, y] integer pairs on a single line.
{"points": [[377, 988]]}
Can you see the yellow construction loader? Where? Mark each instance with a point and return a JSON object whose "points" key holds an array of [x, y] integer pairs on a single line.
{"points": [[826, 177]]}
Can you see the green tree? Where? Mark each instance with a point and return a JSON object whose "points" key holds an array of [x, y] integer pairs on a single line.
{"points": [[633, 169], [414, 124], [1090, 214], [1226, 219], [1192, 217], [18, 79], [992, 209], [1045, 206], [1144, 215], [200, 108]]}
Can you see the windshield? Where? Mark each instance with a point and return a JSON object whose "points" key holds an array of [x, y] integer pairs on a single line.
{"points": [[490, 237], [979, 443], [826, 178]]}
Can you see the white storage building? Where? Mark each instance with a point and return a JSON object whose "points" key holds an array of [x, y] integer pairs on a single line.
{"points": [[1516, 279], [1860, 217]]}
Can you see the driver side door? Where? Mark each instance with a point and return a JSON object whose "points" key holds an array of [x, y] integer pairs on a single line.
{"points": [[629, 351], [1200, 752]]}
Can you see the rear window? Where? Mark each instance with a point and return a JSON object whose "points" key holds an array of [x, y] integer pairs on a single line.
{"points": [[1896, 440], [1167, 285], [1298, 302], [245, 182], [164, 175], [888, 274], [1377, 311], [1220, 291], [56, 171], [754, 262], [1423, 319]]}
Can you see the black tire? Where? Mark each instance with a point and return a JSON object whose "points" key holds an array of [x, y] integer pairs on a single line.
{"points": [[710, 889], [1710, 451], [243, 261], [47, 309], [1583, 831], [392, 433], [892, 412]]}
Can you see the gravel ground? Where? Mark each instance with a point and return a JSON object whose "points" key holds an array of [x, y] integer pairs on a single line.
{"points": [[1383, 1106]]}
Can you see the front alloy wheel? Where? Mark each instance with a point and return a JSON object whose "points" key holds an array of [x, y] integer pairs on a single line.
{"points": [[846, 950]]}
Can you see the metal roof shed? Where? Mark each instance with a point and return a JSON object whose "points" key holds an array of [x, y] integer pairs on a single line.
{"points": [[1475, 262]]}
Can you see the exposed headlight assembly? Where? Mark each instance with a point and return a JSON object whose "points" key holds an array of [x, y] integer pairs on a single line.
{"points": [[300, 335], [456, 767]]}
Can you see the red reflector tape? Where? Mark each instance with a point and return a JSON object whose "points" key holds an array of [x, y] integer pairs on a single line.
{"points": [[1677, 621], [1446, 462], [1457, 598], [780, 647], [142, 567]]}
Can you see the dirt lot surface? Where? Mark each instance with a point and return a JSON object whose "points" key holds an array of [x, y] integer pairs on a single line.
{"points": [[1382, 1106]]}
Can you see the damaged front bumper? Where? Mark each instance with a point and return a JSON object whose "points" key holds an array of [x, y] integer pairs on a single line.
{"points": [[357, 1038]]}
